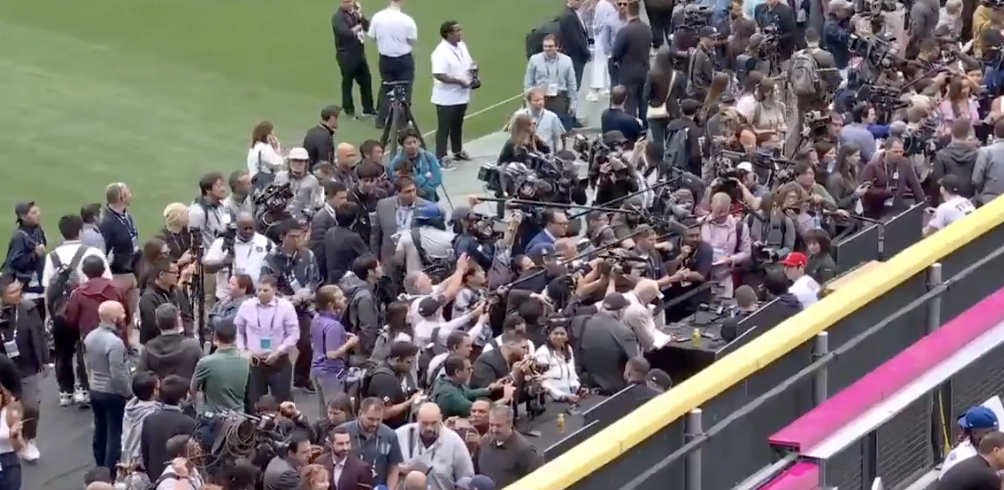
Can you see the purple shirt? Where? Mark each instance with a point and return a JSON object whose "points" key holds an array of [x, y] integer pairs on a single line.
{"points": [[263, 329], [326, 334]]}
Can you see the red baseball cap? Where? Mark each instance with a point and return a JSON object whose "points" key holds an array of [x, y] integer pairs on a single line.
{"points": [[795, 259]]}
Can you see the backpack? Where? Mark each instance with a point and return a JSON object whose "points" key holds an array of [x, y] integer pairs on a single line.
{"points": [[161, 479], [535, 38], [804, 74], [63, 282], [677, 153], [428, 352]]}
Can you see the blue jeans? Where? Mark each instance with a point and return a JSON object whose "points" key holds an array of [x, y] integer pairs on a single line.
{"points": [[10, 475], [108, 408]]}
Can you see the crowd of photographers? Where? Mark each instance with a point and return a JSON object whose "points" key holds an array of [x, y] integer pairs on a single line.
{"points": [[730, 161]]}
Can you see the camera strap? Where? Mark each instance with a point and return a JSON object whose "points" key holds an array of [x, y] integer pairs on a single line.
{"points": [[416, 239]]}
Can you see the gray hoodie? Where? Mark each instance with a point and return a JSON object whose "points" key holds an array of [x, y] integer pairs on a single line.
{"points": [[136, 411], [988, 174], [362, 313], [107, 368], [958, 159]]}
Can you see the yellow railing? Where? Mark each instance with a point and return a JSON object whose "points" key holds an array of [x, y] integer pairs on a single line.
{"points": [[652, 417]]}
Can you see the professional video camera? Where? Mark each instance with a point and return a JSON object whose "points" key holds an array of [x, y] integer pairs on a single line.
{"points": [[884, 97], [877, 52], [238, 435], [780, 168], [546, 178], [397, 92], [696, 16], [816, 121], [921, 140], [274, 197]]}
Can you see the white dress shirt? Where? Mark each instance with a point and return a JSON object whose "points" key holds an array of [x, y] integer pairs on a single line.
{"points": [[66, 251], [454, 62], [394, 32]]}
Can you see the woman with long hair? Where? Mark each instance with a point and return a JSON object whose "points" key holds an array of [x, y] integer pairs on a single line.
{"points": [[522, 141], [719, 83], [176, 235], [662, 90], [843, 183], [265, 154], [11, 425], [397, 329], [330, 342], [153, 251], [746, 103], [561, 379], [958, 104], [768, 112]]}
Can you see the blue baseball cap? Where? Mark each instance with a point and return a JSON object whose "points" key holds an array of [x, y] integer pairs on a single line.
{"points": [[978, 418], [427, 212], [476, 482]]}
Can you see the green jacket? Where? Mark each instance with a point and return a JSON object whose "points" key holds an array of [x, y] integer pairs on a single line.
{"points": [[455, 400]]}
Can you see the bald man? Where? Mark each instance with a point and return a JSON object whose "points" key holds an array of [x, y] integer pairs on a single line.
{"points": [[110, 382], [415, 480], [249, 251], [639, 315], [347, 157], [449, 462], [100, 485]]}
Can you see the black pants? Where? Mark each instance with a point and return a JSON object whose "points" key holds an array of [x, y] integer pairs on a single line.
{"points": [[355, 68], [399, 69], [69, 351], [305, 354], [559, 105], [450, 126], [108, 409], [635, 104], [579, 66], [275, 380], [661, 22]]}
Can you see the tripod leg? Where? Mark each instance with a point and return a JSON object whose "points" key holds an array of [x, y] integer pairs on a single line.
{"points": [[409, 120], [393, 127]]}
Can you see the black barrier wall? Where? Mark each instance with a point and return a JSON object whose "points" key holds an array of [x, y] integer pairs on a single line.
{"points": [[743, 443]]}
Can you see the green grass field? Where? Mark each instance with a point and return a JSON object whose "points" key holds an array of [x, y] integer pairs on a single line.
{"points": [[156, 93]]}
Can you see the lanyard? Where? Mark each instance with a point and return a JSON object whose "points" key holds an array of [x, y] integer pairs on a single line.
{"points": [[126, 219], [271, 322], [547, 69]]}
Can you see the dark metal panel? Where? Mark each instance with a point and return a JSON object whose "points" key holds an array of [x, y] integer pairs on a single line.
{"points": [[641, 458], [904, 443], [902, 231], [974, 287], [744, 443], [843, 470], [884, 345], [857, 249]]}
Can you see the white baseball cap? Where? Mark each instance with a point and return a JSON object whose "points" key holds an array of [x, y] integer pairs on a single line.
{"points": [[745, 166], [299, 154]]}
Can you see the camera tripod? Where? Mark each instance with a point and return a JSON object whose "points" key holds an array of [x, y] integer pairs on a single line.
{"points": [[399, 117]]}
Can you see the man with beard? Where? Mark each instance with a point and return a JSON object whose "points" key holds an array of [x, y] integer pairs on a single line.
{"points": [[308, 195], [347, 470], [363, 311], [430, 448], [505, 455], [691, 264], [164, 290], [240, 199], [345, 165], [609, 343], [393, 218], [319, 141], [294, 267]]}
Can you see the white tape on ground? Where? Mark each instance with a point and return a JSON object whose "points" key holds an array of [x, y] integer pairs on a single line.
{"points": [[482, 111]]}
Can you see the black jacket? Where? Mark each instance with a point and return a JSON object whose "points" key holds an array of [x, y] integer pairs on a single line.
{"points": [[572, 36], [604, 345], [22, 259], [782, 16], [693, 138], [701, 71], [319, 225], [320, 145], [28, 331], [120, 234], [631, 52], [341, 247], [957, 159], [490, 367], [157, 429], [615, 119], [154, 296], [347, 45]]}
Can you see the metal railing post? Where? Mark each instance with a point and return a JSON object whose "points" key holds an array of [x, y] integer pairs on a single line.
{"points": [[694, 428], [934, 280], [820, 381]]}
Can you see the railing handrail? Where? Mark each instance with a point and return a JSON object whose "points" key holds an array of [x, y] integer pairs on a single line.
{"points": [[626, 433]]}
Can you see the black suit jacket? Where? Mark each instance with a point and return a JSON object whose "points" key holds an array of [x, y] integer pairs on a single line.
{"points": [[573, 37], [631, 51], [356, 474], [157, 429]]}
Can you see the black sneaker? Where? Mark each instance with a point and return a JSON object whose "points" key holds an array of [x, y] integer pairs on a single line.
{"points": [[462, 156]]}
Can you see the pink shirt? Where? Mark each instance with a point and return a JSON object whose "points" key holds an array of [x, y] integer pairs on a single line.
{"points": [[263, 329]]}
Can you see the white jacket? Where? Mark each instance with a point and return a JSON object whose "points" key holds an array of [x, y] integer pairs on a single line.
{"points": [[262, 156], [560, 380]]}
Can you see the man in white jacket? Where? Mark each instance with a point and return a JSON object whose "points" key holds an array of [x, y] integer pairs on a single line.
{"points": [[428, 445]]}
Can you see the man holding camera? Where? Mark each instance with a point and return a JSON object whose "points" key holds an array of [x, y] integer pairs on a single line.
{"points": [[455, 75], [779, 15], [239, 252]]}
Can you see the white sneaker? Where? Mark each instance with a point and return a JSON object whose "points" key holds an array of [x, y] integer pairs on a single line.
{"points": [[65, 399], [605, 92], [592, 96], [81, 397], [30, 452]]}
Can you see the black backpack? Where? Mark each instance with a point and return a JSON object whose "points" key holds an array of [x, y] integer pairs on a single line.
{"points": [[63, 282], [535, 39]]}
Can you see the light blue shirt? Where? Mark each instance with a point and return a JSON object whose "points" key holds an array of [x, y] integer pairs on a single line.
{"points": [[549, 127], [606, 23], [542, 72]]}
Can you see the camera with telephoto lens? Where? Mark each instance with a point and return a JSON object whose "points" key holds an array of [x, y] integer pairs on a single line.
{"points": [[921, 140], [475, 77], [876, 51], [766, 255], [275, 197], [229, 236], [696, 16]]}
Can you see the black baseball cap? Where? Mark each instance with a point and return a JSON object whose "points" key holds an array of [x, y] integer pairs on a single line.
{"points": [[428, 306], [952, 183]]}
